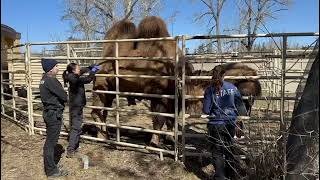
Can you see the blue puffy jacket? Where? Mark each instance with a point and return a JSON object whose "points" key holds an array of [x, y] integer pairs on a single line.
{"points": [[223, 108]]}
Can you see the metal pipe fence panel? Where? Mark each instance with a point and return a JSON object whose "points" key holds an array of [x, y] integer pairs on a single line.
{"points": [[278, 71]]}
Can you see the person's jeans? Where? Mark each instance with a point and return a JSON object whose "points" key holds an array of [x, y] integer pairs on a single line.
{"points": [[76, 115], [220, 138], [53, 120]]}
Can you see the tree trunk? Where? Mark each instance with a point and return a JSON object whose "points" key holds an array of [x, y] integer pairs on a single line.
{"points": [[303, 140], [218, 33], [128, 6], [249, 43]]}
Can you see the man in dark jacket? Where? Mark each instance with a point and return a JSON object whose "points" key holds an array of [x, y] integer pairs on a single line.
{"points": [[53, 98], [77, 100]]}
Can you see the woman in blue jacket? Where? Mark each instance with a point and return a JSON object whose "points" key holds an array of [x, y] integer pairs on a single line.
{"points": [[223, 103]]}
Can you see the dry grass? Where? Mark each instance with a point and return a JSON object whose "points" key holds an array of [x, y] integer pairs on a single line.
{"points": [[21, 158]]}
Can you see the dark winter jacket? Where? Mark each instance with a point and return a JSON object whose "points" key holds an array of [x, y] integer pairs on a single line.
{"points": [[77, 96], [52, 93], [223, 108]]}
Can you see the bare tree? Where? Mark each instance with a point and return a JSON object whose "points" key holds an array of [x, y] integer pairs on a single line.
{"points": [[254, 14], [150, 7], [172, 19], [212, 12], [92, 18], [128, 8]]}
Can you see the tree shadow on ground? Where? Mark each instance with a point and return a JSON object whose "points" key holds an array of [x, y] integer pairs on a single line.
{"points": [[20, 117], [5, 144], [152, 166], [198, 165], [131, 136], [126, 173], [195, 165], [199, 145]]}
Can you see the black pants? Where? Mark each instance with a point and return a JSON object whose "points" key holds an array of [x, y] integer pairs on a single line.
{"points": [[220, 138], [76, 118], [53, 120]]}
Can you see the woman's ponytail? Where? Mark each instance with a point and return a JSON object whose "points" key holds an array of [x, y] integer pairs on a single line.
{"points": [[217, 78], [65, 77], [65, 73]]}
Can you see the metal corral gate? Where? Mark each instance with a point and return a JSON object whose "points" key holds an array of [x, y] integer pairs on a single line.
{"points": [[31, 72], [286, 60]]}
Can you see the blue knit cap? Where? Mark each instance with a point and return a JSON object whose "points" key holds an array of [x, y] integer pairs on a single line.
{"points": [[48, 64]]}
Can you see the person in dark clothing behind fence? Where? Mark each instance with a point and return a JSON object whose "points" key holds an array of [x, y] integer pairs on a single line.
{"points": [[77, 100], [53, 98], [223, 103]]}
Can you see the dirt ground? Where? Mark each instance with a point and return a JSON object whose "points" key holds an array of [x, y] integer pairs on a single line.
{"points": [[21, 158]]}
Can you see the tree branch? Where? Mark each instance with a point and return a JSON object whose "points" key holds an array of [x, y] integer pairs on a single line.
{"points": [[202, 15], [102, 10], [284, 9], [100, 32], [211, 29], [282, 3], [131, 9], [206, 4], [210, 22], [220, 6]]}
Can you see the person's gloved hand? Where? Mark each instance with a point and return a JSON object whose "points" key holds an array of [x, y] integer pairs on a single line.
{"points": [[95, 68], [91, 66]]}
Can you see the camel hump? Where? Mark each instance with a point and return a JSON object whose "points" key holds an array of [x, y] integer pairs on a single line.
{"points": [[123, 29], [152, 27], [239, 69], [228, 66]]}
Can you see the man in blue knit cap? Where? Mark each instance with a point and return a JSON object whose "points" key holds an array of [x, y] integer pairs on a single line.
{"points": [[53, 98]]}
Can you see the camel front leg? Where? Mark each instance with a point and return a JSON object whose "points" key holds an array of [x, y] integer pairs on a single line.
{"points": [[158, 121], [100, 100], [170, 126]]}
